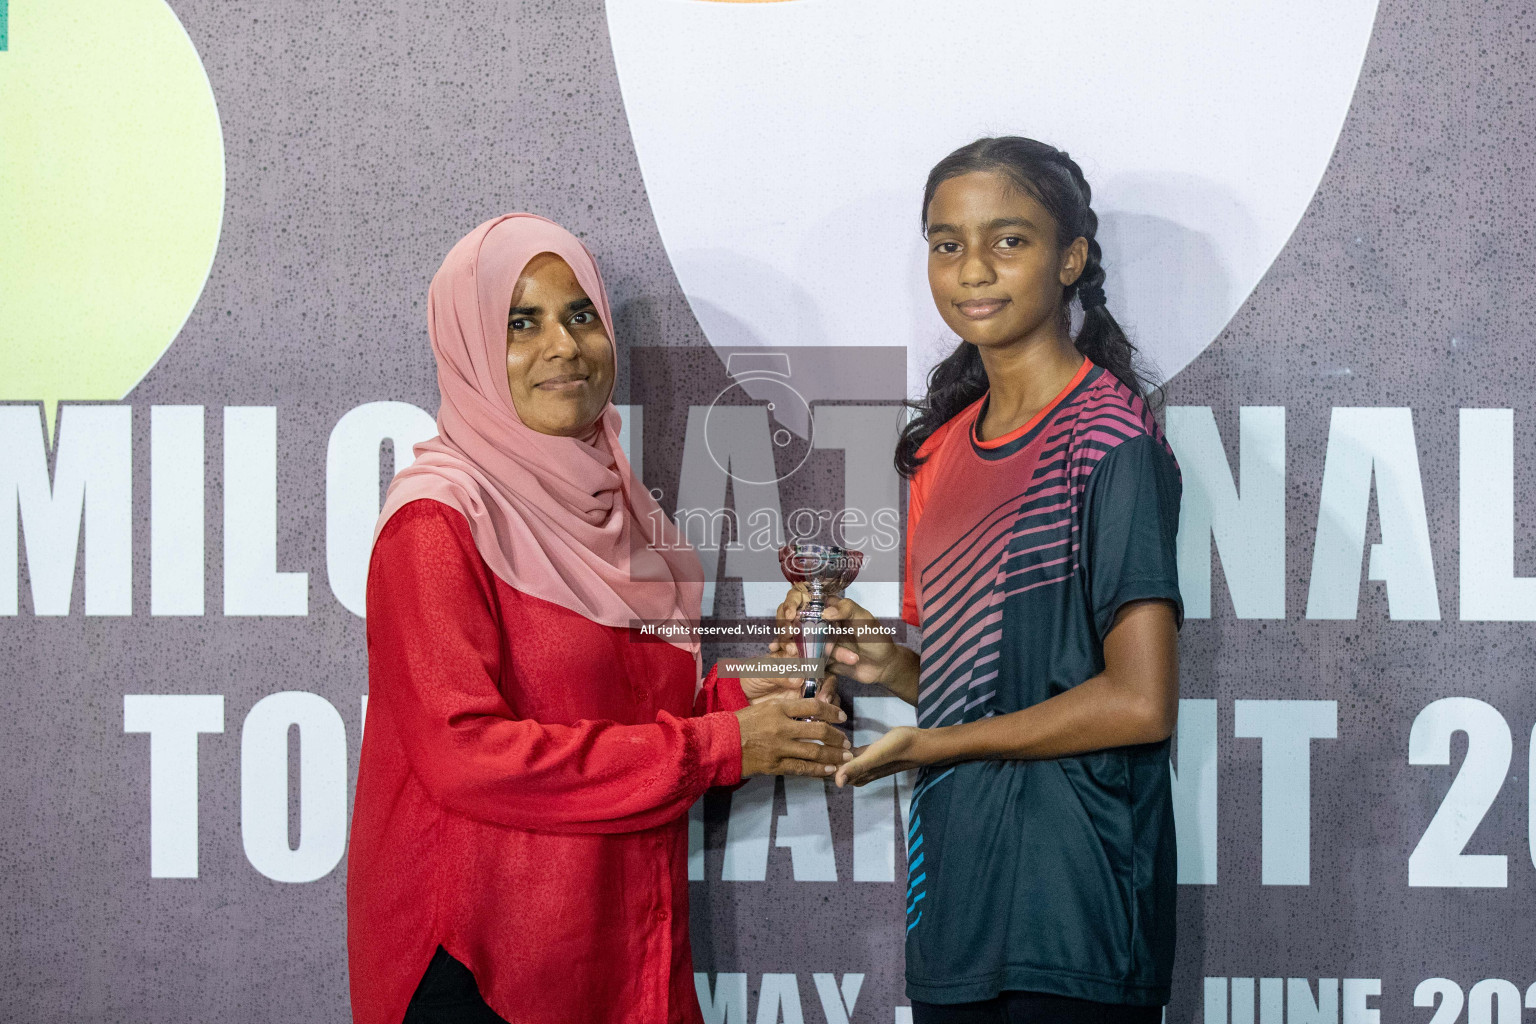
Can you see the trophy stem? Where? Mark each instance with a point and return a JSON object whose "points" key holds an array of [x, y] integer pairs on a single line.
{"points": [[825, 570], [812, 629]]}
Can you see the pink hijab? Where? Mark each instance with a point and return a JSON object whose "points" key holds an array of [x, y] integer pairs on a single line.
{"points": [[562, 518]]}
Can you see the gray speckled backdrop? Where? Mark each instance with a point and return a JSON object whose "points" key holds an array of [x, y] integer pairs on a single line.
{"points": [[363, 139]]}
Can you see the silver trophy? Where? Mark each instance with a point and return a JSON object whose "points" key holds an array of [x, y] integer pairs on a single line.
{"points": [[826, 570]]}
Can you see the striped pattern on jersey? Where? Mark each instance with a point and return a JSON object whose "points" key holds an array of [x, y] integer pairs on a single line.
{"points": [[1028, 541]]}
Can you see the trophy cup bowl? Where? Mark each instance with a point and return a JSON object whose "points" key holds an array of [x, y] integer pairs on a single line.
{"points": [[826, 570]]}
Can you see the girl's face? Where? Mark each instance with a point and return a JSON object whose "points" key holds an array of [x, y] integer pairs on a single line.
{"points": [[559, 356], [994, 266]]}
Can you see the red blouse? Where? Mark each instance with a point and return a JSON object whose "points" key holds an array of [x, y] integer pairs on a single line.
{"points": [[522, 793]]}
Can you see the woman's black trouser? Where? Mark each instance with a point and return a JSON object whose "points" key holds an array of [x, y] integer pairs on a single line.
{"points": [[448, 995]]}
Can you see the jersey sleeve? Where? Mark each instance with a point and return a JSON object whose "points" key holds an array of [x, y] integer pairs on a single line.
{"points": [[1130, 529]]}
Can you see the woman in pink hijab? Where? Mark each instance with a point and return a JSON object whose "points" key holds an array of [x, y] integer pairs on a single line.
{"points": [[519, 842]]}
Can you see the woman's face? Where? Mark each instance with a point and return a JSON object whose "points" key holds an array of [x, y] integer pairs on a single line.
{"points": [[994, 266], [559, 358]]}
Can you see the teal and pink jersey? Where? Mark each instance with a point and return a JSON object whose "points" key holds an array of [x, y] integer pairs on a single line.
{"points": [[1052, 876]]}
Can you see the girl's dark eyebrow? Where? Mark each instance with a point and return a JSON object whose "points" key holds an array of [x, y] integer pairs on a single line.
{"points": [[576, 305], [1001, 222], [1010, 222]]}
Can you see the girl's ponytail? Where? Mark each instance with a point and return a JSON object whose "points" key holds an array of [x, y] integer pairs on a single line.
{"points": [[1100, 338]]}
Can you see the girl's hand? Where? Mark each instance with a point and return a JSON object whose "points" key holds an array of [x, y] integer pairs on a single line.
{"points": [[867, 657], [899, 750]]}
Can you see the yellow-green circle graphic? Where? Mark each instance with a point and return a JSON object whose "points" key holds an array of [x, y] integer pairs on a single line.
{"points": [[111, 193]]}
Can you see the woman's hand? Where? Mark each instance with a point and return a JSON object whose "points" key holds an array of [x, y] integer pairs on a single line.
{"points": [[761, 688], [779, 737], [897, 751]]}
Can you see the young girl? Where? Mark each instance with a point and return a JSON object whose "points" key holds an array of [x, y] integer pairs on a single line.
{"points": [[1042, 514]]}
